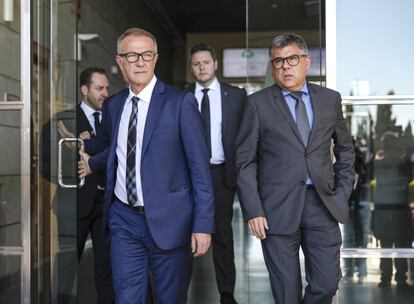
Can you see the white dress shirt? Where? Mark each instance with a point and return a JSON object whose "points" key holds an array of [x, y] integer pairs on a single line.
{"points": [[121, 149], [214, 95], [88, 110]]}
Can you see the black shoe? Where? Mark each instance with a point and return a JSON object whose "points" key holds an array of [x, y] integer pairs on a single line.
{"points": [[227, 298], [384, 284], [402, 285]]}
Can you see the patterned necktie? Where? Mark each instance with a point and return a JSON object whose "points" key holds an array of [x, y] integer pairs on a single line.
{"points": [[130, 177], [97, 121], [301, 117], [205, 115]]}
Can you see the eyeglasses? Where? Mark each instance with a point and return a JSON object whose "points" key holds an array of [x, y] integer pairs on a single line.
{"points": [[132, 57], [293, 60]]}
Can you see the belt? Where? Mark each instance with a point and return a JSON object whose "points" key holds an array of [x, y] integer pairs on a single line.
{"points": [[310, 186], [215, 166], [139, 209]]}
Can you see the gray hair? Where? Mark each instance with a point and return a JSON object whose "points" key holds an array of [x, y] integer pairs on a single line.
{"points": [[135, 31], [286, 39]]}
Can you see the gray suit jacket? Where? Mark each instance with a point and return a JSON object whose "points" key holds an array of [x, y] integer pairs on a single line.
{"points": [[271, 159]]}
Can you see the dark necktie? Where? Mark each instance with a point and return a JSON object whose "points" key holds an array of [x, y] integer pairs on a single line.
{"points": [[205, 114], [301, 117], [130, 178], [97, 121]]}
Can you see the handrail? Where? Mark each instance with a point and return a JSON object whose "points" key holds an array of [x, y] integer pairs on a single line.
{"points": [[378, 100]]}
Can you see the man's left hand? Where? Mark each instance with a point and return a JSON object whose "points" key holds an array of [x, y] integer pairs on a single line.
{"points": [[200, 242]]}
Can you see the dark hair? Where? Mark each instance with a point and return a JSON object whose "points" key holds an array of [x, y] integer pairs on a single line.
{"points": [[203, 47], [286, 39], [85, 77]]}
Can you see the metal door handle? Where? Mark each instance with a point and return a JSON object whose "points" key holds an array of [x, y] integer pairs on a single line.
{"points": [[60, 178]]}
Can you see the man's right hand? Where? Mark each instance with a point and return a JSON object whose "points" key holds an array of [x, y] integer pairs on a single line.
{"points": [[65, 133], [258, 227], [83, 166]]}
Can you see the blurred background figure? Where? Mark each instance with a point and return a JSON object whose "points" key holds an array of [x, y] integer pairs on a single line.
{"points": [[391, 218], [355, 232]]}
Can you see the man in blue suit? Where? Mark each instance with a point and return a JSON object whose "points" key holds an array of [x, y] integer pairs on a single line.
{"points": [[158, 208]]}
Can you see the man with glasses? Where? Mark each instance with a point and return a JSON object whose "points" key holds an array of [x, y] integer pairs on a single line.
{"points": [[158, 208], [220, 105], [292, 194]]}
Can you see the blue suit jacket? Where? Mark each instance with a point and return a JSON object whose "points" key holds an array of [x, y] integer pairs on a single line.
{"points": [[175, 173]]}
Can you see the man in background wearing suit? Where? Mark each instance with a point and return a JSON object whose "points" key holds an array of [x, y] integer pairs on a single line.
{"points": [[94, 86], [158, 208], [220, 105], [292, 195]]}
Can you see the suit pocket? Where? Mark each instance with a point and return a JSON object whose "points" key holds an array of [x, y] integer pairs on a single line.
{"points": [[331, 187], [180, 188]]}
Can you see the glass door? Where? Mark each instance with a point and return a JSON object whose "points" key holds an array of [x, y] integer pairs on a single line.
{"points": [[15, 152], [53, 206]]}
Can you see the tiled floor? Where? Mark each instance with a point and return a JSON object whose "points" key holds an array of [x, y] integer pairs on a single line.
{"points": [[252, 284]]}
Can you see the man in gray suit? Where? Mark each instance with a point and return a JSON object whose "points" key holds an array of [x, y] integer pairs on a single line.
{"points": [[292, 193]]}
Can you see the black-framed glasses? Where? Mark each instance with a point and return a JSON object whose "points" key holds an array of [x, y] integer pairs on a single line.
{"points": [[132, 57], [292, 60]]}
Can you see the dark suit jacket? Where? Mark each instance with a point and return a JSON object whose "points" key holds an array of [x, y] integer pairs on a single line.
{"points": [[175, 172], [86, 194], [233, 100], [272, 160]]}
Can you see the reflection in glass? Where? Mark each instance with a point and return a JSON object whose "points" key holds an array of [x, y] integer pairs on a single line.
{"points": [[10, 279], [10, 179], [382, 201], [10, 51]]}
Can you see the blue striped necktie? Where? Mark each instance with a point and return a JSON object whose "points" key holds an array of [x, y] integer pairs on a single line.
{"points": [[130, 178], [302, 120]]}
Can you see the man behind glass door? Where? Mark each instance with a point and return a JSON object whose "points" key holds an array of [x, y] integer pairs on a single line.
{"points": [[94, 86]]}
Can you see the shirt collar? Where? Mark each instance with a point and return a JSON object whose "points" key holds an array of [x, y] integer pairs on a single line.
{"points": [[214, 86], [87, 109], [304, 89], [146, 94]]}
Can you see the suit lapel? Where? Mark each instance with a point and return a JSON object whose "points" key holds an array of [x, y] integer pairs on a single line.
{"points": [[317, 108], [157, 99], [225, 111], [284, 109], [119, 106], [82, 121]]}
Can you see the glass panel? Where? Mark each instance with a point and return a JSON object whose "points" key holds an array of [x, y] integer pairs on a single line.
{"points": [[54, 98], [363, 282], [382, 200], [10, 179], [10, 279], [10, 50], [366, 44]]}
